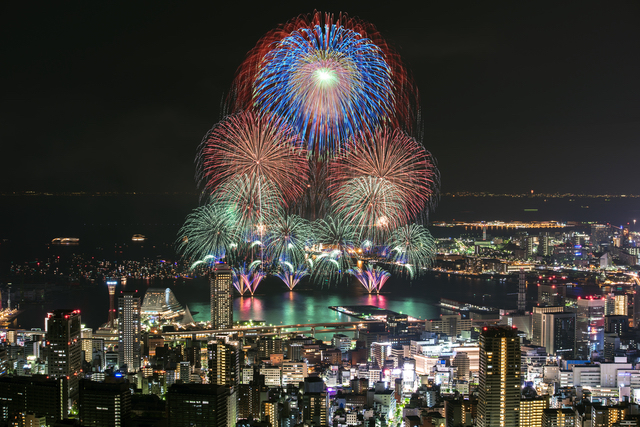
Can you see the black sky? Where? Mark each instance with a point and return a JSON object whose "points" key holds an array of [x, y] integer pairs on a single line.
{"points": [[515, 96]]}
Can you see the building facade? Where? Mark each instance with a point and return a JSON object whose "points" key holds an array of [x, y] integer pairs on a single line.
{"points": [[129, 331], [221, 285], [499, 378]]}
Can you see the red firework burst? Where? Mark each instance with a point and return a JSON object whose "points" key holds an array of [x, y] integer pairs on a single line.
{"points": [[256, 148], [392, 157]]}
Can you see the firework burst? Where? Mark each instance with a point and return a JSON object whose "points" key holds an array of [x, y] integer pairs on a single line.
{"points": [[330, 77], [335, 241], [373, 279], [291, 275], [247, 278], [209, 232], [393, 158], [251, 202], [260, 148], [287, 236], [412, 249], [373, 205]]}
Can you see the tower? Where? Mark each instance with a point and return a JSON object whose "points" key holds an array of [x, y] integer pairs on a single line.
{"points": [[499, 385], [111, 284], [64, 348], [129, 331], [221, 297], [522, 291]]}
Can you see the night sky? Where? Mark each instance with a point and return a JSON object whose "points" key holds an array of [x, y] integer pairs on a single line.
{"points": [[101, 96]]}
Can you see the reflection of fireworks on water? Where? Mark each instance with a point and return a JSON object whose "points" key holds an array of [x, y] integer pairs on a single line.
{"points": [[392, 158], [259, 148], [291, 275], [247, 278], [330, 77], [338, 238], [287, 236], [372, 205], [412, 248], [373, 279], [208, 232]]}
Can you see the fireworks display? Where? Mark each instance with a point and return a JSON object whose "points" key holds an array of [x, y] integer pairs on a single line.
{"points": [[260, 148], [372, 278], [412, 248], [287, 237], [247, 278], [392, 157], [315, 169], [331, 76], [209, 231], [291, 275]]}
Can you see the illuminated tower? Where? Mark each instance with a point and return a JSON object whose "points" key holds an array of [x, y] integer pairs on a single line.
{"points": [[111, 284], [64, 348], [129, 331], [221, 297], [499, 385]]}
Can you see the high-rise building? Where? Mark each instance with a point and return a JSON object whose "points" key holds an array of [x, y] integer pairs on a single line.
{"points": [[522, 291], [224, 362], [224, 368], [555, 330], [129, 331], [499, 378], [315, 402], [199, 405], [104, 404], [589, 326], [269, 412], [531, 410], [36, 394], [221, 284], [86, 334], [269, 345], [64, 348]]}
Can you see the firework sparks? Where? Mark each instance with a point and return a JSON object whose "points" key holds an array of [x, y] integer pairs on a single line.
{"points": [[291, 275], [286, 239], [372, 205], [251, 202], [412, 248], [208, 232], [373, 279], [261, 148], [247, 278], [398, 162], [335, 239], [331, 77]]}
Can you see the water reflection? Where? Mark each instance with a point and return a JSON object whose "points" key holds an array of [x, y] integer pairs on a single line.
{"points": [[377, 300]]}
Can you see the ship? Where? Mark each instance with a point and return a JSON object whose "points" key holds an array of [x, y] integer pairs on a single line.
{"points": [[66, 241]]}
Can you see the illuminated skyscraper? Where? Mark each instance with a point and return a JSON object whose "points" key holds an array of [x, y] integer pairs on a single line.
{"points": [[64, 348], [129, 331], [221, 283], [589, 327], [224, 368], [499, 385]]}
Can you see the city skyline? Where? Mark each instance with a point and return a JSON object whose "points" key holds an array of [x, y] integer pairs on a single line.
{"points": [[123, 99]]}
